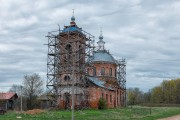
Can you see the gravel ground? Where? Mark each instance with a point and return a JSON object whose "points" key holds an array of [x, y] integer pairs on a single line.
{"points": [[177, 117]]}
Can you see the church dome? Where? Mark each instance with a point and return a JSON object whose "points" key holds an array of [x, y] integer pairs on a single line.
{"points": [[72, 18], [72, 27], [103, 56]]}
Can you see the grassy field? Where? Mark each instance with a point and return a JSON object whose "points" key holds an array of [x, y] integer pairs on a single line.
{"points": [[135, 113]]}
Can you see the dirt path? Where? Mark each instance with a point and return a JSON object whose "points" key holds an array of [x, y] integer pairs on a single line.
{"points": [[177, 117]]}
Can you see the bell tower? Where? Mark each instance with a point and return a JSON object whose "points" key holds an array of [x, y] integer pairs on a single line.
{"points": [[72, 49]]}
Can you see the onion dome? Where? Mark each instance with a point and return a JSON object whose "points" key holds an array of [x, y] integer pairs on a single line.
{"points": [[101, 42], [72, 18], [102, 55]]}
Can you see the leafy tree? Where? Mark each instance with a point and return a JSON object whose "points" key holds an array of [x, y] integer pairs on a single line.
{"points": [[168, 92], [135, 96], [156, 95], [177, 81], [147, 97]]}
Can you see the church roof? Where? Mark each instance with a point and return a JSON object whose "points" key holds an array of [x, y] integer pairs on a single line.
{"points": [[103, 56], [71, 28], [99, 83]]}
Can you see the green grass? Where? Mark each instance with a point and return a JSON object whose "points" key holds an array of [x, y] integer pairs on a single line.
{"points": [[135, 113]]}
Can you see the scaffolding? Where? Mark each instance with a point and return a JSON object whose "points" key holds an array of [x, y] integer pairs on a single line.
{"points": [[121, 76], [70, 53]]}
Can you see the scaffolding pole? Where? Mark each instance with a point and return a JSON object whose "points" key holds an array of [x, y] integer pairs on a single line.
{"points": [[121, 76]]}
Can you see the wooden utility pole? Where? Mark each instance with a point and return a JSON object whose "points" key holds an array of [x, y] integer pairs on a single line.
{"points": [[73, 79], [21, 99]]}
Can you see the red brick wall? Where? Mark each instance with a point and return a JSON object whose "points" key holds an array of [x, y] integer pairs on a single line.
{"points": [[113, 97], [95, 93], [94, 96], [107, 69]]}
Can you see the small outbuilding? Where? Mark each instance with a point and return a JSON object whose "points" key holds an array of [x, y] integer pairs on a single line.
{"points": [[45, 102], [7, 100]]}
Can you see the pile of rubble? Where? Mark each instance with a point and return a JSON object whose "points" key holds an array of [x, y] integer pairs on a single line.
{"points": [[34, 111]]}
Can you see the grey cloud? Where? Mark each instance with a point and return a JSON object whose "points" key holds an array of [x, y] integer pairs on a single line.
{"points": [[146, 33]]}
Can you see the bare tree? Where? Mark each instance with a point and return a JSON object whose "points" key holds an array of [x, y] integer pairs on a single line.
{"points": [[18, 89], [33, 87]]}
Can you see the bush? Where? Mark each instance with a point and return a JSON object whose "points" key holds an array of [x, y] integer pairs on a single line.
{"points": [[102, 104]]}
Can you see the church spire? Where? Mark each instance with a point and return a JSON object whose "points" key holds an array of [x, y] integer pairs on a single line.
{"points": [[101, 42], [73, 19]]}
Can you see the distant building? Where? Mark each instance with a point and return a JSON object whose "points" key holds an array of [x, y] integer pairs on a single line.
{"points": [[45, 102], [76, 67], [7, 100]]}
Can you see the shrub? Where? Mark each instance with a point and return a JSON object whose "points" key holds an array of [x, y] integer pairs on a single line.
{"points": [[102, 104]]}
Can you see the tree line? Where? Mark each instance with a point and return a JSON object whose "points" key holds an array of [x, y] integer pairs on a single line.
{"points": [[168, 92]]}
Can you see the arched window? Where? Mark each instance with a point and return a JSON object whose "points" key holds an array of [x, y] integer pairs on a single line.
{"points": [[94, 71], [68, 51], [68, 48], [115, 72], [102, 95], [80, 52], [102, 71], [106, 97], [67, 99], [111, 98], [66, 78], [110, 71]]}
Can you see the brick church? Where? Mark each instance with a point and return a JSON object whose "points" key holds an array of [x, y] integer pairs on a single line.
{"points": [[103, 77]]}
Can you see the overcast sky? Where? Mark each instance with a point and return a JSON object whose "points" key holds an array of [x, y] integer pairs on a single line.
{"points": [[145, 32]]}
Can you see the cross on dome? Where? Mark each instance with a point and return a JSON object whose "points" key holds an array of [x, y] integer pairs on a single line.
{"points": [[72, 18], [101, 42]]}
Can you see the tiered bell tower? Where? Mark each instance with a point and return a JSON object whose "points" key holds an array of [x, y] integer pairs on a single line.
{"points": [[72, 48]]}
